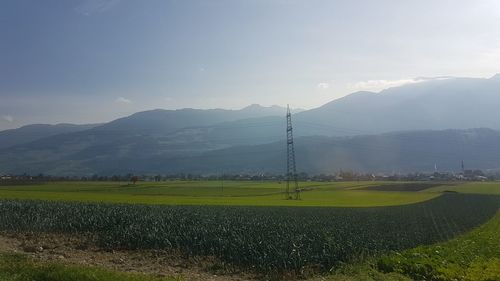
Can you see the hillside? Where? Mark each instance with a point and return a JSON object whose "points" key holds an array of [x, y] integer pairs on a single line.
{"points": [[392, 152], [436, 104], [203, 141], [160, 121], [34, 132]]}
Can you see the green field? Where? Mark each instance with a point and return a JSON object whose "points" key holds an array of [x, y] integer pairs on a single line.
{"points": [[473, 256], [276, 238], [339, 194], [470, 187], [269, 239]]}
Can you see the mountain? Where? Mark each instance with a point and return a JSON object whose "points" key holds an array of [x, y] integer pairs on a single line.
{"points": [[161, 133], [432, 104], [391, 152], [34, 132], [437, 104], [162, 121], [170, 140], [411, 151]]}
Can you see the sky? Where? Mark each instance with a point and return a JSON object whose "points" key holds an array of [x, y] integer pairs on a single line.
{"points": [[91, 61]]}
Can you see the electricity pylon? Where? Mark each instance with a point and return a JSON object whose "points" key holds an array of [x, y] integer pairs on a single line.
{"points": [[291, 174]]}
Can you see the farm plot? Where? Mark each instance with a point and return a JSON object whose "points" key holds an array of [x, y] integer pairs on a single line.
{"points": [[415, 186], [267, 239], [247, 193], [473, 256]]}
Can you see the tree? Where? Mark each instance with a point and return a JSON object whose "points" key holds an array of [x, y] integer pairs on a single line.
{"points": [[134, 179]]}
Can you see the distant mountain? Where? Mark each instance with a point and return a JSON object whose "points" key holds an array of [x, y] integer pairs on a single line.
{"points": [[34, 132], [170, 140], [411, 151], [434, 104], [392, 152], [164, 133], [437, 104], [162, 121]]}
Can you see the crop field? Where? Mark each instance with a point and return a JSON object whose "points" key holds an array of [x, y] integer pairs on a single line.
{"points": [[249, 193], [250, 225], [474, 187], [403, 186], [264, 238], [472, 256]]}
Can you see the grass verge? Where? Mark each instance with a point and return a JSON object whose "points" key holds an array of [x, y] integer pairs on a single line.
{"points": [[14, 267], [474, 256]]}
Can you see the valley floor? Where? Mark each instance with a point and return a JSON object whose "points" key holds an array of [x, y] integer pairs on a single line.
{"points": [[474, 256], [43, 256], [243, 193]]}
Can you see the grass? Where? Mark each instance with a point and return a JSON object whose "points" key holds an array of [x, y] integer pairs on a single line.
{"points": [[246, 193], [470, 187], [361, 272], [15, 267], [474, 256]]}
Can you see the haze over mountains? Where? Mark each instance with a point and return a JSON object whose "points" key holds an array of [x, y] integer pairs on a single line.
{"points": [[351, 133], [34, 132]]}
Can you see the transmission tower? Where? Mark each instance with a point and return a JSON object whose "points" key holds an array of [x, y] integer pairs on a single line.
{"points": [[291, 171]]}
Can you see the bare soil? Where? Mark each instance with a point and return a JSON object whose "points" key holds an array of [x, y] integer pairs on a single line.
{"points": [[82, 251]]}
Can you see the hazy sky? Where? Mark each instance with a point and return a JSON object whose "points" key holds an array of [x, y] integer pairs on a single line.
{"points": [[96, 60]]}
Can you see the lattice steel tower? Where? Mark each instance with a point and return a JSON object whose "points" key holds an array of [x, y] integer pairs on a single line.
{"points": [[291, 171]]}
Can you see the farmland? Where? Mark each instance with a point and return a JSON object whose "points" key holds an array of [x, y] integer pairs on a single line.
{"points": [[267, 238], [248, 193], [476, 188], [249, 224], [473, 256]]}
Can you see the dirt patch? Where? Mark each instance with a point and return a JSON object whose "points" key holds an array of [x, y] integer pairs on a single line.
{"points": [[82, 251], [403, 186]]}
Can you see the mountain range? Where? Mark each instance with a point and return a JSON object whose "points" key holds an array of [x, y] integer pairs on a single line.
{"points": [[406, 128], [29, 133]]}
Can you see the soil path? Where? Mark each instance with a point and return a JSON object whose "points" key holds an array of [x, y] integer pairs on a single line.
{"points": [[74, 250]]}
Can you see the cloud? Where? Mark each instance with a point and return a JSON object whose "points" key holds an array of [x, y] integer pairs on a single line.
{"points": [[323, 85], [168, 99], [8, 118], [379, 85], [123, 100]]}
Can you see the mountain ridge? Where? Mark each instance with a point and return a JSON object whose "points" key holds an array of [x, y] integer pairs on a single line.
{"points": [[33, 132], [404, 152], [159, 135]]}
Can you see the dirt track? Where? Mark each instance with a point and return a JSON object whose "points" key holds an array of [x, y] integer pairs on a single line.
{"points": [[74, 250]]}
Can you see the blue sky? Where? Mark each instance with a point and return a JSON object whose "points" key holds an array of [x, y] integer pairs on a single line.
{"points": [[95, 60]]}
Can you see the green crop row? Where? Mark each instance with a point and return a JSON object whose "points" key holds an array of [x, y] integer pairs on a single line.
{"points": [[266, 239]]}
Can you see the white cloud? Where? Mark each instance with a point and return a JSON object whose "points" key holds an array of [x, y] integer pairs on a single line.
{"points": [[8, 118], [379, 85], [123, 100], [168, 99], [323, 85]]}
